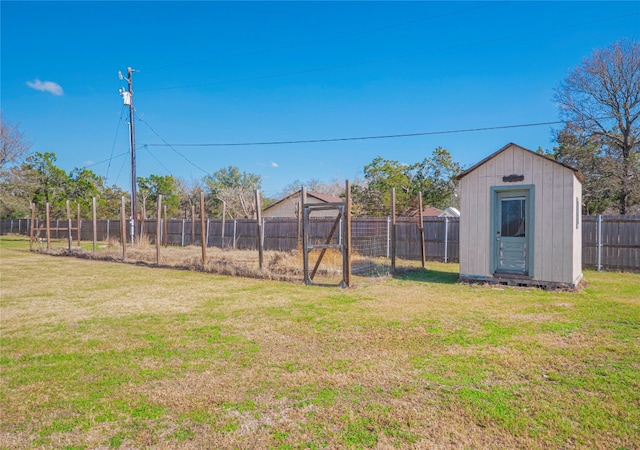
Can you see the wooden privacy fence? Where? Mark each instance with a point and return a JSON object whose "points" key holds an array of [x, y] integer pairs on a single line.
{"points": [[609, 242]]}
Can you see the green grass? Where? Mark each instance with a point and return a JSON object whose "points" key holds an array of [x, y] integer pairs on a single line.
{"points": [[99, 354]]}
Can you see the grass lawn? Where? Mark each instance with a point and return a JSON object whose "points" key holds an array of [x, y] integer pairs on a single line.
{"points": [[102, 354]]}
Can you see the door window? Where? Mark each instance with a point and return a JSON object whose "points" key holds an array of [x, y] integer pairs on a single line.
{"points": [[513, 217]]}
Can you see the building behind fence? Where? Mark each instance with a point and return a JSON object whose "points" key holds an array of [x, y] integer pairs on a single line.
{"points": [[608, 242]]}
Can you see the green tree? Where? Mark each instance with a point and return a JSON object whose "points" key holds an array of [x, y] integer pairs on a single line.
{"points": [[50, 183], [153, 186], [601, 101], [108, 202], [235, 188], [434, 177], [39, 180], [82, 186], [381, 175]]}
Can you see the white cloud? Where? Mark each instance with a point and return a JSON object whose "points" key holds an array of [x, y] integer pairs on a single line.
{"points": [[274, 164], [46, 86]]}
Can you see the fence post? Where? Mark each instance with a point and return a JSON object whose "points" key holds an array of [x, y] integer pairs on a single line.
{"points": [[11, 227], [207, 240], [599, 237], [108, 226], [31, 235], [123, 229], [182, 238], [57, 228], [95, 228], [19, 226], [259, 222], [203, 238], [224, 214], [235, 228], [388, 235], [158, 229], [446, 239], [393, 230], [193, 224], [69, 237], [305, 236], [143, 215], [79, 224], [166, 227], [48, 218], [423, 253], [346, 275]]}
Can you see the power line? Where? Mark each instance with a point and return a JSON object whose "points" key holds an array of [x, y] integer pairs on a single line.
{"points": [[166, 144], [156, 159], [121, 167], [389, 58], [107, 160], [114, 141], [359, 138]]}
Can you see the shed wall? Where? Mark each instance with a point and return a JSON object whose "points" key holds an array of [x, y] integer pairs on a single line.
{"points": [[290, 206], [556, 242], [287, 208]]}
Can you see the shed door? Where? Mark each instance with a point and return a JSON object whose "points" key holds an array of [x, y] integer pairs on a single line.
{"points": [[511, 233]]}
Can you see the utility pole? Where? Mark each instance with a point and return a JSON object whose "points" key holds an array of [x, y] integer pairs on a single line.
{"points": [[127, 98]]}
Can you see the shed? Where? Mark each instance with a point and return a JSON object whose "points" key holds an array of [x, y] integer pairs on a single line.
{"points": [[520, 220], [450, 211], [289, 206]]}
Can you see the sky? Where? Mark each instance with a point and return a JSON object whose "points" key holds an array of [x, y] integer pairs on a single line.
{"points": [[265, 73]]}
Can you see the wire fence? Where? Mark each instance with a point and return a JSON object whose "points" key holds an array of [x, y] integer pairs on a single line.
{"points": [[609, 242]]}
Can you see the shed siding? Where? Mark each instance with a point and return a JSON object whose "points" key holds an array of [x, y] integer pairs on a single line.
{"points": [[556, 241], [540, 245], [577, 231], [290, 206], [285, 209]]}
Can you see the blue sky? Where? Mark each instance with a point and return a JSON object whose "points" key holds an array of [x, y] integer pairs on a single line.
{"points": [[242, 72]]}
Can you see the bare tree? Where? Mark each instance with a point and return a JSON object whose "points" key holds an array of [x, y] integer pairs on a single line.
{"points": [[234, 188], [335, 187], [16, 183], [189, 194], [13, 143], [601, 99]]}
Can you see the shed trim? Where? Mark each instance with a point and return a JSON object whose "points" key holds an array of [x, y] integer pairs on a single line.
{"points": [[529, 190], [576, 172], [324, 198]]}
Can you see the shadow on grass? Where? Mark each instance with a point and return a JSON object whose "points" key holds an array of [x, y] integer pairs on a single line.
{"points": [[427, 276], [13, 238], [14, 242]]}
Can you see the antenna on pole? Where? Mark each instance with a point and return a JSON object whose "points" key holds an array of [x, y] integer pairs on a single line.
{"points": [[127, 99]]}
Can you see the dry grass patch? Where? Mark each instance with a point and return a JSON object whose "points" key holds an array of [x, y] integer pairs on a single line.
{"points": [[278, 265]]}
